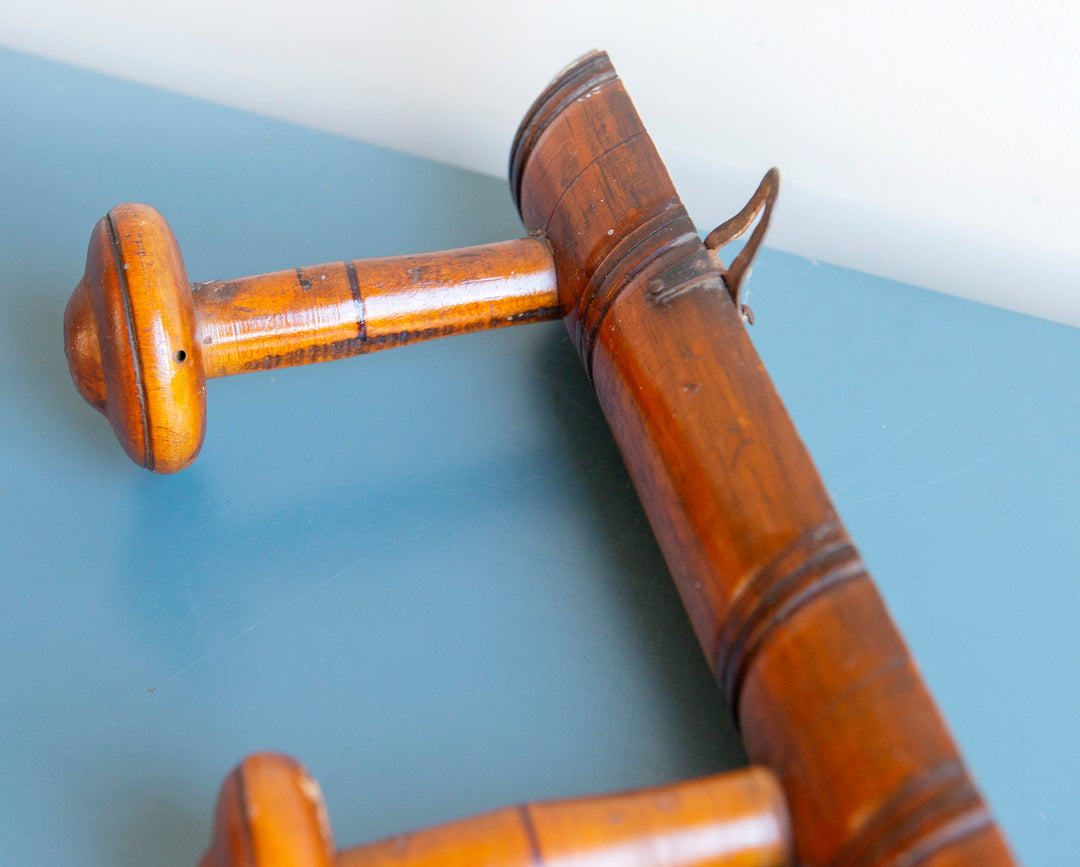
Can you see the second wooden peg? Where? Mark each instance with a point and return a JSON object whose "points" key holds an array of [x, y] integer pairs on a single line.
{"points": [[270, 813]]}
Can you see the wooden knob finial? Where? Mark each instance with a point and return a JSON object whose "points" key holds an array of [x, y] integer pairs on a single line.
{"points": [[129, 335], [270, 813]]}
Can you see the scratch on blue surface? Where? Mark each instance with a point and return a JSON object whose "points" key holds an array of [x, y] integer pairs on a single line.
{"points": [[544, 472], [904, 433], [877, 407], [979, 422], [298, 598], [918, 485], [73, 748]]}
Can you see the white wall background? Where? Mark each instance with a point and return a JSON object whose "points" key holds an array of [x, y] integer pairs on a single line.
{"points": [[932, 142]]}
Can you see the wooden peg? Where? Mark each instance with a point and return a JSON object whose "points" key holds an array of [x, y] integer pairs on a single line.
{"points": [[141, 341], [270, 813]]}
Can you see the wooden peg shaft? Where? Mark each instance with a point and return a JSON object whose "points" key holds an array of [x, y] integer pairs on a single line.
{"points": [[271, 814], [141, 341]]}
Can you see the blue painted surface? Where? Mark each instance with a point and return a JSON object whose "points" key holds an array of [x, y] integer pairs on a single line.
{"points": [[423, 572]]}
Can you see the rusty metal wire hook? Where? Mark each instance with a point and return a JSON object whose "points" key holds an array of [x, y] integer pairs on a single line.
{"points": [[761, 202]]}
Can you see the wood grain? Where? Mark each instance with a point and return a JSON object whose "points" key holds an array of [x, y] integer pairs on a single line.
{"points": [[341, 309], [141, 342], [825, 691]]}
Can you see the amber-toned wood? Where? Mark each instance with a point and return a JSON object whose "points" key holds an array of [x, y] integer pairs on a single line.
{"points": [[141, 342], [825, 692], [129, 333], [345, 308], [270, 814]]}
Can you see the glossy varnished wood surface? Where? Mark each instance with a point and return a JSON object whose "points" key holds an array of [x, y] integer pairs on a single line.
{"points": [[270, 813], [141, 343], [129, 335], [341, 309], [825, 691]]}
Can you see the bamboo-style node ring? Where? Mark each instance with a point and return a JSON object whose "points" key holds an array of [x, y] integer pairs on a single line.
{"points": [[141, 341]]}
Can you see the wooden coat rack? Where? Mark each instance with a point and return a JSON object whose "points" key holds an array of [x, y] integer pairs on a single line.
{"points": [[824, 690]]}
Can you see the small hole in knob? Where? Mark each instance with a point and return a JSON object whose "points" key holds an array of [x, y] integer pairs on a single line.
{"points": [[180, 356]]}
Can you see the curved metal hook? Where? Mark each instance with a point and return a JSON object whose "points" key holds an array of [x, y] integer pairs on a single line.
{"points": [[761, 202]]}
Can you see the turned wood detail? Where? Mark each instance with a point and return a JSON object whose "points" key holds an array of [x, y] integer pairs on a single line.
{"points": [[928, 814], [656, 243], [812, 565]]}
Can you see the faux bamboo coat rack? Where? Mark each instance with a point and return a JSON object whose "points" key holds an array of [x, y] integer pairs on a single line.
{"points": [[824, 690]]}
